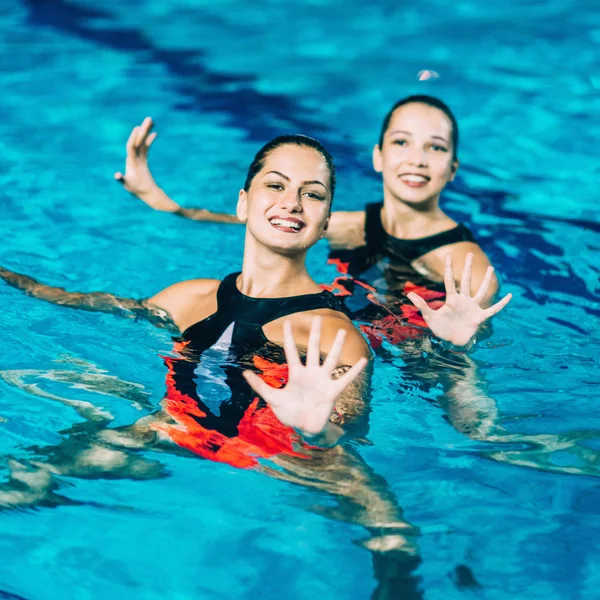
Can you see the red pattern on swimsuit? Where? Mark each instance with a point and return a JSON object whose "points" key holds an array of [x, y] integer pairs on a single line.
{"points": [[260, 434]]}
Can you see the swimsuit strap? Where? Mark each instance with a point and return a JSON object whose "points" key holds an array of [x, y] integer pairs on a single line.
{"points": [[260, 311], [378, 239], [410, 250], [375, 234]]}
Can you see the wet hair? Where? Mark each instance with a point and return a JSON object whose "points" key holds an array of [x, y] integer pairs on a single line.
{"points": [[428, 101], [302, 141]]}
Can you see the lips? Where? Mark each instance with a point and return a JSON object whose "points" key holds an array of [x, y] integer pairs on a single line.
{"points": [[414, 179], [287, 224]]}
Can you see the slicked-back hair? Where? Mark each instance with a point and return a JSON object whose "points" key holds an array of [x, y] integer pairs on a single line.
{"points": [[428, 101], [302, 141]]}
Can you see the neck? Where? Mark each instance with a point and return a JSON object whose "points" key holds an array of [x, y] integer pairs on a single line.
{"points": [[404, 220], [266, 274]]}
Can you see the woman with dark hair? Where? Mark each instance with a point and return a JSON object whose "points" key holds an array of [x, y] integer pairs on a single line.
{"points": [[248, 318], [305, 407]]}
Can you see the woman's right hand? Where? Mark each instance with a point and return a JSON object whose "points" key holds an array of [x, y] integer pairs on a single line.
{"points": [[137, 178]]}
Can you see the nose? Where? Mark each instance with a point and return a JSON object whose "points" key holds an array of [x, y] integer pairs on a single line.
{"points": [[417, 156], [291, 201]]}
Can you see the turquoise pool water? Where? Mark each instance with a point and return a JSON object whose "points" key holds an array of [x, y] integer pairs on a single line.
{"points": [[522, 513]]}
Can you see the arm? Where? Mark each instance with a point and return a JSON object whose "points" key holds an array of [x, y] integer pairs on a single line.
{"points": [[138, 179], [175, 307], [94, 301], [346, 230]]}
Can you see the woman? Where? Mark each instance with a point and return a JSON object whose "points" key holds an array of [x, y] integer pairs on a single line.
{"points": [[286, 205], [245, 319]]}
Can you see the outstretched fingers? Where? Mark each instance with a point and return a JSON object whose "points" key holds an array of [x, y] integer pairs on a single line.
{"points": [[496, 308], [332, 360], [143, 132], [420, 304], [289, 345], [313, 350], [449, 283], [150, 139], [264, 390], [465, 281], [479, 297], [348, 377], [132, 140]]}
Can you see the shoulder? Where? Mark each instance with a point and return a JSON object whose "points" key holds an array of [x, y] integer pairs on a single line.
{"points": [[435, 261], [188, 301], [355, 346], [346, 229]]}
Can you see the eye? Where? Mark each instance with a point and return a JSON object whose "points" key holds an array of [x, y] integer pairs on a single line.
{"points": [[314, 195], [400, 142], [437, 148], [275, 186]]}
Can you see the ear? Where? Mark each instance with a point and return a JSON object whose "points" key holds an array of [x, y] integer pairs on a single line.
{"points": [[453, 168], [241, 210], [377, 159]]}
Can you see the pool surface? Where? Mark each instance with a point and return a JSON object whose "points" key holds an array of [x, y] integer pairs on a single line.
{"points": [[515, 515]]}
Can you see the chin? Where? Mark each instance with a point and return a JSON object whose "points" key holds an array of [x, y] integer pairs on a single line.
{"points": [[414, 198]]}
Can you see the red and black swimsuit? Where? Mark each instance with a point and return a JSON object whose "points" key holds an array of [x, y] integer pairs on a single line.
{"points": [[214, 412], [375, 278]]}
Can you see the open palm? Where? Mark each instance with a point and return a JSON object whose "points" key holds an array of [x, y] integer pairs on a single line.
{"points": [[137, 178], [458, 320], [308, 399]]}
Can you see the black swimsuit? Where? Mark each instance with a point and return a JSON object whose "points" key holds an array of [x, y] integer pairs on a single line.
{"points": [[376, 277], [246, 317], [379, 241], [215, 413]]}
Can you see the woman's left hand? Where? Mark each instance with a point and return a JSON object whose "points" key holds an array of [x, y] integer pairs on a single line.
{"points": [[458, 320], [308, 399]]}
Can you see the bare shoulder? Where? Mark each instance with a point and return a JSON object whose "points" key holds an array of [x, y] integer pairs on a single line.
{"points": [[346, 229], [355, 346], [188, 301], [435, 260]]}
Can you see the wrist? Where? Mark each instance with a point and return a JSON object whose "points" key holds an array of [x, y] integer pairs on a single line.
{"points": [[460, 348], [329, 436]]}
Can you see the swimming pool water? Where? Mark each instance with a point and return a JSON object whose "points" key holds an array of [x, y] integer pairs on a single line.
{"points": [[522, 513]]}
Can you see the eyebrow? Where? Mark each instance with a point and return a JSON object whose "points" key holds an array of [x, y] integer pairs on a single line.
{"points": [[315, 181], [433, 137]]}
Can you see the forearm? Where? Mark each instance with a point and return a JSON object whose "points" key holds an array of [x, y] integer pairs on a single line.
{"points": [[94, 301], [157, 199], [201, 214]]}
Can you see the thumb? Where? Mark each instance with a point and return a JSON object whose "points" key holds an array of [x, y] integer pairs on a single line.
{"points": [[264, 390], [419, 303]]}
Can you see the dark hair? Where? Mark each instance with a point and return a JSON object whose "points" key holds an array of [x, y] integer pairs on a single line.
{"points": [[428, 101], [290, 140]]}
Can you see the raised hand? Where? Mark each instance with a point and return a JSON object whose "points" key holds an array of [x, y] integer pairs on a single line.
{"points": [[457, 321], [137, 178], [308, 399]]}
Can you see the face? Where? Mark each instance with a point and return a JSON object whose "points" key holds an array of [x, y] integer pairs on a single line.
{"points": [[287, 206], [416, 156]]}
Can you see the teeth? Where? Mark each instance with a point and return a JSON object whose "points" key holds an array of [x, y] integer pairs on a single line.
{"points": [[414, 178], [283, 223]]}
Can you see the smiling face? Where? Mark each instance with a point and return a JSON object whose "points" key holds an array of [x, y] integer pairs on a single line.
{"points": [[416, 157], [287, 205]]}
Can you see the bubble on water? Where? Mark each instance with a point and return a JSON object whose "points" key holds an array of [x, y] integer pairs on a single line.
{"points": [[427, 74]]}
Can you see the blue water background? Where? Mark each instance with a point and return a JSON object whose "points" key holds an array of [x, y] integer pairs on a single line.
{"points": [[220, 78]]}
